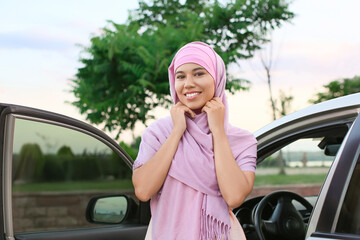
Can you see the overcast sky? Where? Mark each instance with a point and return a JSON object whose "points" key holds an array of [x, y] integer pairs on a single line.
{"points": [[39, 52]]}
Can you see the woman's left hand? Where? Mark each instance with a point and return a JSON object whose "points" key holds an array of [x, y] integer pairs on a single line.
{"points": [[215, 111]]}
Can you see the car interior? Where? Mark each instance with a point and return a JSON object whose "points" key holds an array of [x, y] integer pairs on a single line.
{"points": [[284, 214]]}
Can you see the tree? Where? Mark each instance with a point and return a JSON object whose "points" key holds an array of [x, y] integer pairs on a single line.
{"points": [[267, 64], [285, 101], [65, 151], [338, 88], [124, 72], [285, 104], [31, 163]]}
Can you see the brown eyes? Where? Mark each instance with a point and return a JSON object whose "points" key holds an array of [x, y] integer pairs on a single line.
{"points": [[180, 76], [199, 73]]}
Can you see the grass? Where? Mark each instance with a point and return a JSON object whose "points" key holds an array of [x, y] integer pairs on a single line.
{"points": [[276, 179], [260, 180]]}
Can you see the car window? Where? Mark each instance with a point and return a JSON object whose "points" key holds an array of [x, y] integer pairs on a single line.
{"points": [[300, 166], [349, 219], [55, 171]]}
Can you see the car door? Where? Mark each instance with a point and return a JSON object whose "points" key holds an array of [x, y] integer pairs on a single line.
{"points": [[337, 212], [51, 167]]}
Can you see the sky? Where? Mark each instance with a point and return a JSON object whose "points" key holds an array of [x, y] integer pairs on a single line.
{"points": [[40, 46]]}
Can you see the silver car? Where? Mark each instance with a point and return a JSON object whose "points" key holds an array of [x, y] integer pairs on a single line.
{"points": [[64, 179]]}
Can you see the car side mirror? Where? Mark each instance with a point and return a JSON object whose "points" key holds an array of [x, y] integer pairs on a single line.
{"points": [[108, 209]]}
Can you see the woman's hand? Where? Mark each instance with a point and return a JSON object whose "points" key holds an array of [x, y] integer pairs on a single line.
{"points": [[215, 111], [177, 113], [150, 177]]}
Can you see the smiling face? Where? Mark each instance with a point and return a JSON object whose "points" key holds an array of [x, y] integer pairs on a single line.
{"points": [[194, 86]]}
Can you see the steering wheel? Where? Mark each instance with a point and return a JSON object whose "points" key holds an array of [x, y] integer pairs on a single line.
{"points": [[285, 221]]}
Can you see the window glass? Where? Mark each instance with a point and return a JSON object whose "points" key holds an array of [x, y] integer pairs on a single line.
{"points": [[56, 171], [349, 219], [300, 166]]}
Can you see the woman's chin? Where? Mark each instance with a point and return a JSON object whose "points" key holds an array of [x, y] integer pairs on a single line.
{"points": [[196, 108]]}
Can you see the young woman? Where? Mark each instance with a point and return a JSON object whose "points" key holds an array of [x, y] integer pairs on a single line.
{"points": [[193, 165]]}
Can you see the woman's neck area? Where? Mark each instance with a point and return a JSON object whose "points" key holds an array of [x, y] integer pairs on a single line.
{"points": [[197, 111]]}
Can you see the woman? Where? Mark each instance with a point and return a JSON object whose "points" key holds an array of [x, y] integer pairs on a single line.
{"points": [[195, 166]]}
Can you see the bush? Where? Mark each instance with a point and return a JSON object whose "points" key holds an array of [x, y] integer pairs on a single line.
{"points": [[82, 167]]}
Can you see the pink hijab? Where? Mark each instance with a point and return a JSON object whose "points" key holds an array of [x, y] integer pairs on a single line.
{"points": [[193, 163]]}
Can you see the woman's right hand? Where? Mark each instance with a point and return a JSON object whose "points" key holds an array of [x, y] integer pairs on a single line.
{"points": [[177, 113], [149, 178]]}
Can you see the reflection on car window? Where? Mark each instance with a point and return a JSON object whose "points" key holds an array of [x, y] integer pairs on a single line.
{"points": [[56, 171], [301, 163], [349, 219]]}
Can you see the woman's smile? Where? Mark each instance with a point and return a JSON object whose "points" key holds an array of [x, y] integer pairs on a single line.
{"points": [[191, 95]]}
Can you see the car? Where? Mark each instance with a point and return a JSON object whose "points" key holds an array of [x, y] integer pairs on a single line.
{"points": [[64, 179]]}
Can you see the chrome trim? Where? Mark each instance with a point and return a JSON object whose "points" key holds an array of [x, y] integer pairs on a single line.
{"points": [[7, 177], [314, 219], [76, 129]]}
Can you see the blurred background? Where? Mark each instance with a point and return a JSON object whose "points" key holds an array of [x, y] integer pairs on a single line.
{"points": [[105, 62], [42, 44]]}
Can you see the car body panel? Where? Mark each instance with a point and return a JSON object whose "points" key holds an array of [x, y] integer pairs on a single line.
{"points": [[339, 110], [328, 206]]}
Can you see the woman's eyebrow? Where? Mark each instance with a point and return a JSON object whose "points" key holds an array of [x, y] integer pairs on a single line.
{"points": [[196, 69]]}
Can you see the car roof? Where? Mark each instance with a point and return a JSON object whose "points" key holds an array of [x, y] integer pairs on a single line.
{"points": [[347, 107]]}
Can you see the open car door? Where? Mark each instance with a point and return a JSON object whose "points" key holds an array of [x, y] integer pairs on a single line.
{"points": [[51, 168]]}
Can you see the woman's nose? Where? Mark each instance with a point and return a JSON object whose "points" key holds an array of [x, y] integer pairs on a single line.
{"points": [[189, 82]]}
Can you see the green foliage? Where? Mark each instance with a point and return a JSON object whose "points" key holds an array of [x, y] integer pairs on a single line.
{"points": [[136, 143], [124, 73], [129, 149], [278, 179], [65, 151], [338, 88], [119, 169], [53, 169], [285, 103], [31, 163]]}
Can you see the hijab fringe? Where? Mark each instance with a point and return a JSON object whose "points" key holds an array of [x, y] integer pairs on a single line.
{"points": [[212, 228]]}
